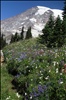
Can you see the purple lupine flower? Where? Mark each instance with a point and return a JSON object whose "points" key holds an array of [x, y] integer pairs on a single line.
{"points": [[45, 87], [40, 89], [23, 56], [19, 59], [35, 94]]}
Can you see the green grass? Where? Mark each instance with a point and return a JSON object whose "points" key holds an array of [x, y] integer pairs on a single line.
{"points": [[6, 86]]}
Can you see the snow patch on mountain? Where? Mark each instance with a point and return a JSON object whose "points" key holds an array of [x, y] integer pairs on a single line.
{"points": [[41, 10], [37, 29], [25, 18], [57, 12], [22, 23], [35, 33], [33, 20], [38, 26]]}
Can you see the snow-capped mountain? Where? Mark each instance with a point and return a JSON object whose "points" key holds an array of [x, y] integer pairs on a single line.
{"points": [[35, 17]]}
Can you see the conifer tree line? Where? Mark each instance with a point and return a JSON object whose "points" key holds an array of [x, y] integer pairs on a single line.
{"points": [[18, 37], [2, 41], [54, 33]]}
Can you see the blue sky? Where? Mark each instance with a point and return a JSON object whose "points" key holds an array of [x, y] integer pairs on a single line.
{"points": [[12, 8]]}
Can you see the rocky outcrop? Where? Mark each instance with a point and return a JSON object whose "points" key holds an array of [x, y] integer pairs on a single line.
{"points": [[1, 56]]}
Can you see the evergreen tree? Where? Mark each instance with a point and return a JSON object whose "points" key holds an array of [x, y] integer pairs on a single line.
{"points": [[47, 37], [52, 33], [58, 34], [28, 33], [16, 37], [2, 41], [64, 10], [64, 22], [12, 39], [21, 34]]}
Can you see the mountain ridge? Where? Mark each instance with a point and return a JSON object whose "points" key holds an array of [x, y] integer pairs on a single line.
{"points": [[36, 17], [26, 10]]}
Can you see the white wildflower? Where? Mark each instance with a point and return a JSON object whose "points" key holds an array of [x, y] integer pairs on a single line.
{"points": [[57, 63], [54, 63], [41, 74], [36, 67], [49, 70], [56, 70], [47, 77], [17, 95], [60, 73], [8, 98], [40, 82], [40, 71], [31, 79], [25, 93], [29, 70], [47, 65], [30, 97], [40, 77], [56, 55], [27, 66], [61, 82]]}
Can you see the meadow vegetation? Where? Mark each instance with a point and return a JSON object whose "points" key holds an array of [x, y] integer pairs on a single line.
{"points": [[33, 72]]}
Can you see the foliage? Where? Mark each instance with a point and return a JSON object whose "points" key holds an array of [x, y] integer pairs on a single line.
{"points": [[12, 39], [6, 87], [64, 10], [2, 41], [28, 33], [22, 33], [15, 38], [64, 22], [38, 75], [58, 33], [54, 34]]}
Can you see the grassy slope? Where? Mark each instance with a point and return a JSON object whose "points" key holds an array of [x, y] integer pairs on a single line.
{"points": [[6, 86]]}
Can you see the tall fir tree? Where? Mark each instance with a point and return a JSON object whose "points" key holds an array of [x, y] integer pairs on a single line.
{"points": [[12, 39], [53, 35], [58, 34], [64, 22], [2, 41], [22, 34], [16, 37], [28, 33], [64, 10], [47, 37]]}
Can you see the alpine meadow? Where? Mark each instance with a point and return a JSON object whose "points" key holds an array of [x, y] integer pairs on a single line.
{"points": [[33, 55]]}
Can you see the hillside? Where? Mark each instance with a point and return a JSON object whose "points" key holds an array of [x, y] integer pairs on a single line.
{"points": [[35, 69]]}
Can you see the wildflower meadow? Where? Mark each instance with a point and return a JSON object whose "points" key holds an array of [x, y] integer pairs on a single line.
{"points": [[38, 73]]}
